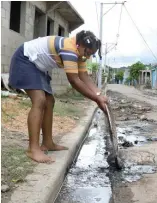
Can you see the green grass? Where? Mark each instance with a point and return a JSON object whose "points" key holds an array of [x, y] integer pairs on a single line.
{"points": [[3, 97], [8, 117], [16, 164], [66, 109], [61, 108], [72, 94], [25, 103]]}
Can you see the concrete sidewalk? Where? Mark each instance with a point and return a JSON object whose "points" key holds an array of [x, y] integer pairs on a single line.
{"points": [[43, 185]]}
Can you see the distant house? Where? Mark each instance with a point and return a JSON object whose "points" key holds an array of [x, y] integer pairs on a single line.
{"points": [[150, 74], [154, 76], [144, 76]]}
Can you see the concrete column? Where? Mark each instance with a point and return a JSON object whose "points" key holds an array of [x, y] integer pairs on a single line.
{"points": [[142, 78], [43, 27], [139, 78], [156, 79], [56, 26], [145, 77], [5, 14], [23, 18]]}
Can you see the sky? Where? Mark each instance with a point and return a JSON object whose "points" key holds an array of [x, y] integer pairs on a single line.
{"points": [[131, 47]]}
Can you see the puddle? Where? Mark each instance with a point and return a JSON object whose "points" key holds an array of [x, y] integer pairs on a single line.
{"points": [[90, 178], [134, 173], [136, 133], [87, 195], [87, 180], [136, 140]]}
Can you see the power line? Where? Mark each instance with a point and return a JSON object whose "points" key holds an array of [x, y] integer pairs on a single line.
{"points": [[154, 32], [101, 30], [110, 9], [117, 36], [119, 23], [114, 45], [111, 48], [140, 33]]}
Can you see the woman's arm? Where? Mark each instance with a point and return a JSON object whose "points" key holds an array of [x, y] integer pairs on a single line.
{"points": [[81, 87], [88, 81]]}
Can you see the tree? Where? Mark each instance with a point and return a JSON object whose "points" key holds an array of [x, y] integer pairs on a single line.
{"points": [[110, 74], [128, 80], [135, 70], [93, 66], [119, 75]]}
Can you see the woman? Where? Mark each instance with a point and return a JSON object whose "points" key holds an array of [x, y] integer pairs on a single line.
{"points": [[30, 69]]}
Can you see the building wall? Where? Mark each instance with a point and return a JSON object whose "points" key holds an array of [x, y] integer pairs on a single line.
{"points": [[10, 39], [154, 78]]}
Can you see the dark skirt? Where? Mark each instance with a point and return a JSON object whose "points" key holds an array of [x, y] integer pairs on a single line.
{"points": [[25, 75]]}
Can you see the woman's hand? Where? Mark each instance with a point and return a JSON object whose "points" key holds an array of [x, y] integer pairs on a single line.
{"points": [[102, 101]]}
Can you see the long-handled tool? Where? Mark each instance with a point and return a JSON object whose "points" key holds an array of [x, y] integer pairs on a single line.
{"points": [[113, 135]]}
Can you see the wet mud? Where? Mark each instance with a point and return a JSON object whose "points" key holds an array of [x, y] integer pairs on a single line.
{"points": [[86, 180], [93, 178]]}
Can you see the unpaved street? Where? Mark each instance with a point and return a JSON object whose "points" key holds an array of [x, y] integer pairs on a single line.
{"points": [[93, 178], [133, 93], [136, 120]]}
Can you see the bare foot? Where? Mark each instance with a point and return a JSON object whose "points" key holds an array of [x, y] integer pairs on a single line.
{"points": [[53, 147], [39, 156]]}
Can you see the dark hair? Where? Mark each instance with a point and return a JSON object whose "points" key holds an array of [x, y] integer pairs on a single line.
{"points": [[89, 40]]}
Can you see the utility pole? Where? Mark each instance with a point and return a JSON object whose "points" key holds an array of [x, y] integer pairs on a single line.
{"points": [[108, 47], [105, 57], [100, 37]]}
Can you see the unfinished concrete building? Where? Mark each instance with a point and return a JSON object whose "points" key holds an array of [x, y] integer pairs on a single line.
{"points": [[25, 20], [144, 76]]}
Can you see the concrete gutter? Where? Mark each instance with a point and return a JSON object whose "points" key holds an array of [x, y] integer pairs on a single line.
{"points": [[43, 185]]}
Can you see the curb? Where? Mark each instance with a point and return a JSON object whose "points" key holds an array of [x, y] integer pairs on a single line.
{"points": [[44, 184]]}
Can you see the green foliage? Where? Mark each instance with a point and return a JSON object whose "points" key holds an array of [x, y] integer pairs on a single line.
{"points": [[119, 75], [110, 74], [17, 165], [67, 108], [128, 80], [135, 70], [93, 67]]}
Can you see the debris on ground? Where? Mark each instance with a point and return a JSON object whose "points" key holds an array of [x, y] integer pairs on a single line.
{"points": [[133, 113], [5, 188], [8, 94]]}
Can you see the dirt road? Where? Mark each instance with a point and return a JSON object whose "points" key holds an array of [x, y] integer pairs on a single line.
{"points": [[133, 93], [136, 120]]}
